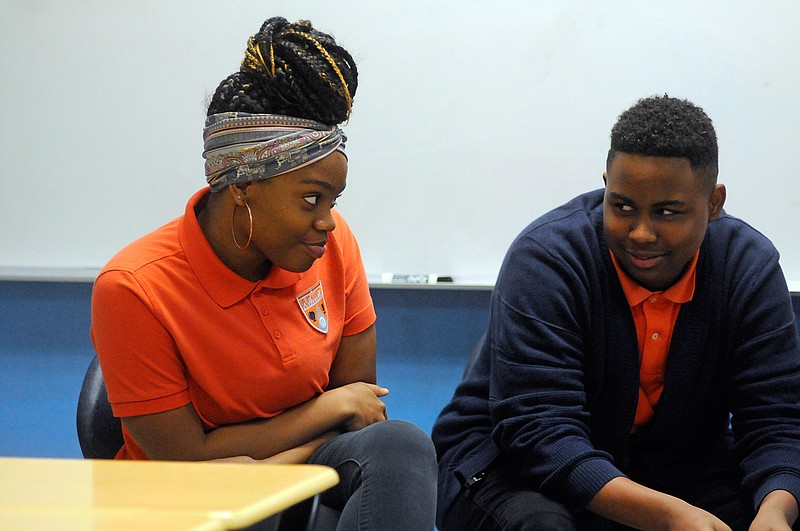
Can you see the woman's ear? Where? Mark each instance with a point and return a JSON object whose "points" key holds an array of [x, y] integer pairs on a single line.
{"points": [[716, 201], [238, 193]]}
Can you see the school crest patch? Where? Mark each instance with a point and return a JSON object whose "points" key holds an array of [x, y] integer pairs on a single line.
{"points": [[312, 303]]}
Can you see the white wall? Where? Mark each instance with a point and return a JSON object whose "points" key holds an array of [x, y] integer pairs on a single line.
{"points": [[471, 118]]}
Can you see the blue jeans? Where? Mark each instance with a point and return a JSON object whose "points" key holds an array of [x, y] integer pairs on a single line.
{"points": [[387, 477]]}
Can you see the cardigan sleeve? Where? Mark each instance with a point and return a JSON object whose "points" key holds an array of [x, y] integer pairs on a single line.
{"points": [[765, 372], [540, 313]]}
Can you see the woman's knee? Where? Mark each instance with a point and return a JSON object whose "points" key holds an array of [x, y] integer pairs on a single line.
{"points": [[399, 438], [396, 446]]}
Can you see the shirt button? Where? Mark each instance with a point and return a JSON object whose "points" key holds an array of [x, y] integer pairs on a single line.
{"points": [[278, 334], [264, 311], [655, 335], [654, 299]]}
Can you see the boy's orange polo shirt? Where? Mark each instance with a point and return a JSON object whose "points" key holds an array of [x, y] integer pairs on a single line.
{"points": [[654, 314]]}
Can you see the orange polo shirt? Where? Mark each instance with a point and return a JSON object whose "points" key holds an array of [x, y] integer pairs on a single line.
{"points": [[173, 325], [654, 314]]}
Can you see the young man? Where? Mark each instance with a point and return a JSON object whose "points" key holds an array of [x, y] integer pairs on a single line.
{"points": [[642, 364]]}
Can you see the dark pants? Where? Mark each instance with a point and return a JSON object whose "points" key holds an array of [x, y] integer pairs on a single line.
{"points": [[503, 501], [387, 477]]}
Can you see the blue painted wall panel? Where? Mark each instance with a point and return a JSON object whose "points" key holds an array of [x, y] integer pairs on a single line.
{"points": [[425, 337]]}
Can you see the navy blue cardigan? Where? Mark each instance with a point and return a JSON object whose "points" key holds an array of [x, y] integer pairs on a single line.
{"points": [[555, 386]]}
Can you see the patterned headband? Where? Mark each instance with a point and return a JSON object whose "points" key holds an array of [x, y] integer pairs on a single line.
{"points": [[241, 147]]}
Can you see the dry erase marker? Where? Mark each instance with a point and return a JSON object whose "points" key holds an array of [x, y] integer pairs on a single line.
{"points": [[415, 278]]}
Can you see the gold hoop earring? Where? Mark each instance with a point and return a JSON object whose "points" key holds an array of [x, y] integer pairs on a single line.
{"points": [[233, 227]]}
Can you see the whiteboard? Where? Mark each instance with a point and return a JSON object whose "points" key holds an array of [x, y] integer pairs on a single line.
{"points": [[471, 118]]}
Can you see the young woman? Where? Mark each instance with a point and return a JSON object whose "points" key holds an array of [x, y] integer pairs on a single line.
{"points": [[244, 329]]}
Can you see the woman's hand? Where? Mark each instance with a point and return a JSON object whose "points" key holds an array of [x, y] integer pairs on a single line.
{"points": [[361, 404], [178, 434], [240, 459], [351, 402], [298, 455]]}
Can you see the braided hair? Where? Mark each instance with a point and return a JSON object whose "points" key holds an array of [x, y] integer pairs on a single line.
{"points": [[663, 126], [291, 69]]}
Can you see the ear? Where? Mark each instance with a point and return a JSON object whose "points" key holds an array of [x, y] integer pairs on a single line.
{"points": [[238, 193], [716, 201], [605, 179]]}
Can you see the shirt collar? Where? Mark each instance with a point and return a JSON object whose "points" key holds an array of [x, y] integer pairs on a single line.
{"points": [[221, 283], [680, 292]]}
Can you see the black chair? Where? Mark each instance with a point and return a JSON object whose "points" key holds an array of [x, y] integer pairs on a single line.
{"points": [[99, 431], [100, 437]]}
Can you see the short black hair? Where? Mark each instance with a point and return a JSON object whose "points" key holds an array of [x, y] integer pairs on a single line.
{"points": [[663, 126]]}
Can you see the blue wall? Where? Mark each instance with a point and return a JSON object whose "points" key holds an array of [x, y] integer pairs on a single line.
{"points": [[424, 339], [44, 349]]}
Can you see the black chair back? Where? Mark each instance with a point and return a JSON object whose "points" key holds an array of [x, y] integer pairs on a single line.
{"points": [[99, 431]]}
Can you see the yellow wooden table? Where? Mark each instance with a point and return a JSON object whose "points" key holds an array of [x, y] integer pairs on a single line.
{"points": [[102, 494], [101, 520]]}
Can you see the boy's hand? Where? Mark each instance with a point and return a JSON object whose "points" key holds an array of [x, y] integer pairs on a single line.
{"points": [[778, 512], [689, 517], [640, 507]]}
